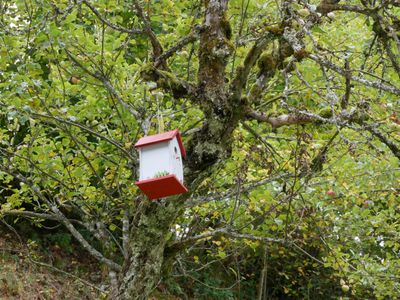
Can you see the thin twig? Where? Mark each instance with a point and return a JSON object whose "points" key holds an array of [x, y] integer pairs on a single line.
{"points": [[108, 23]]}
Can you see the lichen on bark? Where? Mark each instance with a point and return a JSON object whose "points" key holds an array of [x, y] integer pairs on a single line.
{"points": [[223, 107]]}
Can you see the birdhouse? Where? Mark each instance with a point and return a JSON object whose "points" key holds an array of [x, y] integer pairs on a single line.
{"points": [[161, 169]]}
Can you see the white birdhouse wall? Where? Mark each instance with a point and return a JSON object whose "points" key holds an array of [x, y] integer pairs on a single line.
{"points": [[162, 158], [154, 159]]}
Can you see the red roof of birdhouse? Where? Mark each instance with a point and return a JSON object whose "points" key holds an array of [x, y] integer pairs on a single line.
{"points": [[162, 137]]}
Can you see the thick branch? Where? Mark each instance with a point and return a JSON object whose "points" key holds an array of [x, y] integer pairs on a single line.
{"points": [[179, 88], [282, 120], [215, 47], [243, 71], [346, 97], [84, 242], [326, 8]]}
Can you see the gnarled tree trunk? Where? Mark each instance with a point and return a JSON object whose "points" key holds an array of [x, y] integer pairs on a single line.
{"points": [[153, 221], [146, 249]]}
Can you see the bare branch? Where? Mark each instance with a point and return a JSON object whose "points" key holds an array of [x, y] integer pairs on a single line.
{"points": [[230, 193], [108, 23], [190, 38], [117, 96], [392, 146], [107, 84], [32, 214], [29, 214], [62, 219], [86, 129], [125, 233], [374, 84], [227, 232], [53, 268], [157, 48], [346, 97]]}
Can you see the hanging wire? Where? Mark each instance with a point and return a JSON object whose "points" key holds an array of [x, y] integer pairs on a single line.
{"points": [[160, 119]]}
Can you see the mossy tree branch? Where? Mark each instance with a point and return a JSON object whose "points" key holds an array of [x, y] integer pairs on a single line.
{"points": [[166, 80], [243, 71]]}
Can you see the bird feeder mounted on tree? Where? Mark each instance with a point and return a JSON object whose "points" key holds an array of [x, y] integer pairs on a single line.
{"points": [[161, 169]]}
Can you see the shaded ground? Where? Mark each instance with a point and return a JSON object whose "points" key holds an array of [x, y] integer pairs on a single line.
{"points": [[30, 271]]}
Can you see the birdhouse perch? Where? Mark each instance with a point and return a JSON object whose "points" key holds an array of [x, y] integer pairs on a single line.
{"points": [[161, 169]]}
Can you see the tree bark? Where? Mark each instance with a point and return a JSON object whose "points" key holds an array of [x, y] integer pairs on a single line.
{"points": [[149, 235], [152, 225]]}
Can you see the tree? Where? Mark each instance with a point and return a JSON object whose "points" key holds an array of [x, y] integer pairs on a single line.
{"points": [[82, 80]]}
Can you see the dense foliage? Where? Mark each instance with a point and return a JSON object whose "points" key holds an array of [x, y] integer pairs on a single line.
{"points": [[290, 114]]}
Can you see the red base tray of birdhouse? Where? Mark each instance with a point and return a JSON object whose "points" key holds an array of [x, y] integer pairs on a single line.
{"points": [[161, 187]]}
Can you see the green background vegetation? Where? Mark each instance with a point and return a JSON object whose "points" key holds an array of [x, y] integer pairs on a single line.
{"points": [[326, 195]]}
